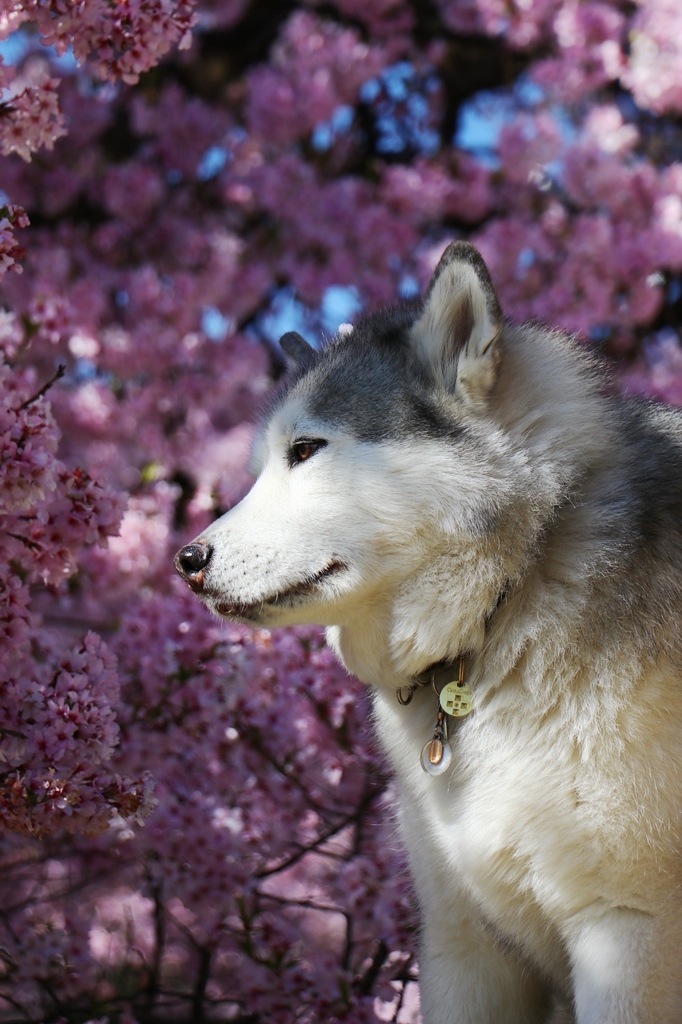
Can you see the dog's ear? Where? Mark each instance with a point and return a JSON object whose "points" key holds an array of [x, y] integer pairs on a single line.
{"points": [[460, 324], [298, 351]]}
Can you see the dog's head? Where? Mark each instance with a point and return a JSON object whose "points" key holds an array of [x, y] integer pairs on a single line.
{"points": [[379, 450]]}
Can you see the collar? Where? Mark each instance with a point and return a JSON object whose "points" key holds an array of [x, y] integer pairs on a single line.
{"points": [[441, 672], [436, 675]]}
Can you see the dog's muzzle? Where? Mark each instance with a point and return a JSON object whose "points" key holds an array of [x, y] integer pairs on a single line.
{"points": [[190, 562]]}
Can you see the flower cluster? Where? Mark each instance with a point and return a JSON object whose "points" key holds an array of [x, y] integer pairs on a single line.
{"points": [[58, 733], [31, 119], [57, 720], [11, 218], [523, 25], [120, 40], [314, 68]]}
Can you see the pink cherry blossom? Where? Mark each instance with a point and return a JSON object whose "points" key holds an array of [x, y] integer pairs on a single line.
{"points": [[11, 218], [31, 119]]}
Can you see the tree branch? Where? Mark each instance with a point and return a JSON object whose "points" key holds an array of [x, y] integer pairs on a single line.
{"points": [[59, 373]]}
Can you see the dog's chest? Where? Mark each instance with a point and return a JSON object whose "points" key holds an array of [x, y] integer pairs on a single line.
{"points": [[501, 825]]}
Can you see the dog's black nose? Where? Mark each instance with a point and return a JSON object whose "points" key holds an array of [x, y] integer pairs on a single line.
{"points": [[191, 561]]}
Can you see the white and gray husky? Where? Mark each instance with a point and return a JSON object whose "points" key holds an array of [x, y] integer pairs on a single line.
{"points": [[493, 540]]}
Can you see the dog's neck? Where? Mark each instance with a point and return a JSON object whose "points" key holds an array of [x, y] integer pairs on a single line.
{"points": [[399, 635]]}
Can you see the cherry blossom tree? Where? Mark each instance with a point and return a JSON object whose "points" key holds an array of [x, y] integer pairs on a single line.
{"points": [[196, 825]]}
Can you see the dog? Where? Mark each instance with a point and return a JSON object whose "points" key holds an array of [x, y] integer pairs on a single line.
{"points": [[492, 537]]}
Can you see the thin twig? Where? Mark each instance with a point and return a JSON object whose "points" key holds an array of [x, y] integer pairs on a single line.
{"points": [[203, 976], [366, 983], [59, 373]]}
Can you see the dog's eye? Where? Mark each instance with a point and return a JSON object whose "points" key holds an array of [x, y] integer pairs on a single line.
{"points": [[303, 449]]}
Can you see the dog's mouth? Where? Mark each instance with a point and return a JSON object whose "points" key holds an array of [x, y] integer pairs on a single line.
{"points": [[282, 598]]}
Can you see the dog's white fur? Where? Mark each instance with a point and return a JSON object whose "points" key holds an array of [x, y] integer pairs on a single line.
{"points": [[547, 861]]}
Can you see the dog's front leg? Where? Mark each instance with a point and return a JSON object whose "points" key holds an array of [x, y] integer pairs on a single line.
{"points": [[627, 968], [466, 978]]}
